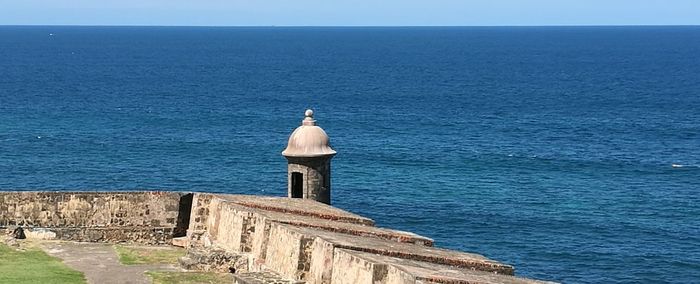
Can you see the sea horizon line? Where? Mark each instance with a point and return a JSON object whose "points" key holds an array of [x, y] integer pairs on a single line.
{"points": [[347, 26]]}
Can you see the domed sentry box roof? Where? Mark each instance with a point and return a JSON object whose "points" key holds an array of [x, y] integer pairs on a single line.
{"points": [[308, 140]]}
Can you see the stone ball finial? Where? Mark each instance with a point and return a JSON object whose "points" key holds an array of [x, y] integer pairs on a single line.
{"points": [[308, 118]]}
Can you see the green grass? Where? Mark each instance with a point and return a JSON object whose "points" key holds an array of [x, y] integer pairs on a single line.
{"points": [[163, 277], [34, 266], [129, 255]]}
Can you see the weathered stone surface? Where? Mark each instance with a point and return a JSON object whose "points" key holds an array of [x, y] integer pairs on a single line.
{"points": [[329, 225], [242, 229], [297, 206], [262, 277], [310, 255], [393, 270], [40, 234], [214, 259], [260, 239], [316, 177], [229, 227], [146, 217], [180, 242], [401, 250], [234, 227], [88, 209], [302, 246], [351, 269], [288, 252], [143, 235], [321, 262], [199, 217]]}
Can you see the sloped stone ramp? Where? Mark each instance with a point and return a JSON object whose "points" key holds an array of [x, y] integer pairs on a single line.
{"points": [[301, 241]]}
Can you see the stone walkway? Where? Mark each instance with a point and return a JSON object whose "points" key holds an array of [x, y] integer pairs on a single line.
{"points": [[100, 263]]}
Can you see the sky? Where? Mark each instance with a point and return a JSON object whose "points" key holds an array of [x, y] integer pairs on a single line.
{"points": [[350, 13]]}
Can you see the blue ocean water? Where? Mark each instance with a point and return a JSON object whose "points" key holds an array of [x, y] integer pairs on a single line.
{"points": [[551, 149]]}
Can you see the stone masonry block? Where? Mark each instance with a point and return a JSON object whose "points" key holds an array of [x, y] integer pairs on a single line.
{"points": [[288, 252], [350, 269]]}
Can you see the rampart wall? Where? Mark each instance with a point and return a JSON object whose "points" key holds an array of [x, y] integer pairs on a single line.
{"points": [[270, 238], [141, 217], [258, 239]]}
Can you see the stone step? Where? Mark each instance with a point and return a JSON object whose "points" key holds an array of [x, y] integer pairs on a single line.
{"points": [[362, 267], [297, 206], [406, 251], [243, 212], [263, 277], [305, 253]]}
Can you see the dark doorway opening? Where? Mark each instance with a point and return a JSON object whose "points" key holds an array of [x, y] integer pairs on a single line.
{"points": [[183, 216], [297, 185]]}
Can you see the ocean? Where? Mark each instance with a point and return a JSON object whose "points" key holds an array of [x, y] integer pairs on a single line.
{"points": [[572, 153]]}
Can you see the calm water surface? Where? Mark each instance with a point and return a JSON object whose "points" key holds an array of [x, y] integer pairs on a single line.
{"points": [[551, 149]]}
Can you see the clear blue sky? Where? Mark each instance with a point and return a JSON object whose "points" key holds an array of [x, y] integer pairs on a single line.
{"points": [[349, 13]]}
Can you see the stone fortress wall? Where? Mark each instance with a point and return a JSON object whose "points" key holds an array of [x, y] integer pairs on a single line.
{"points": [[256, 238], [140, 217]]}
